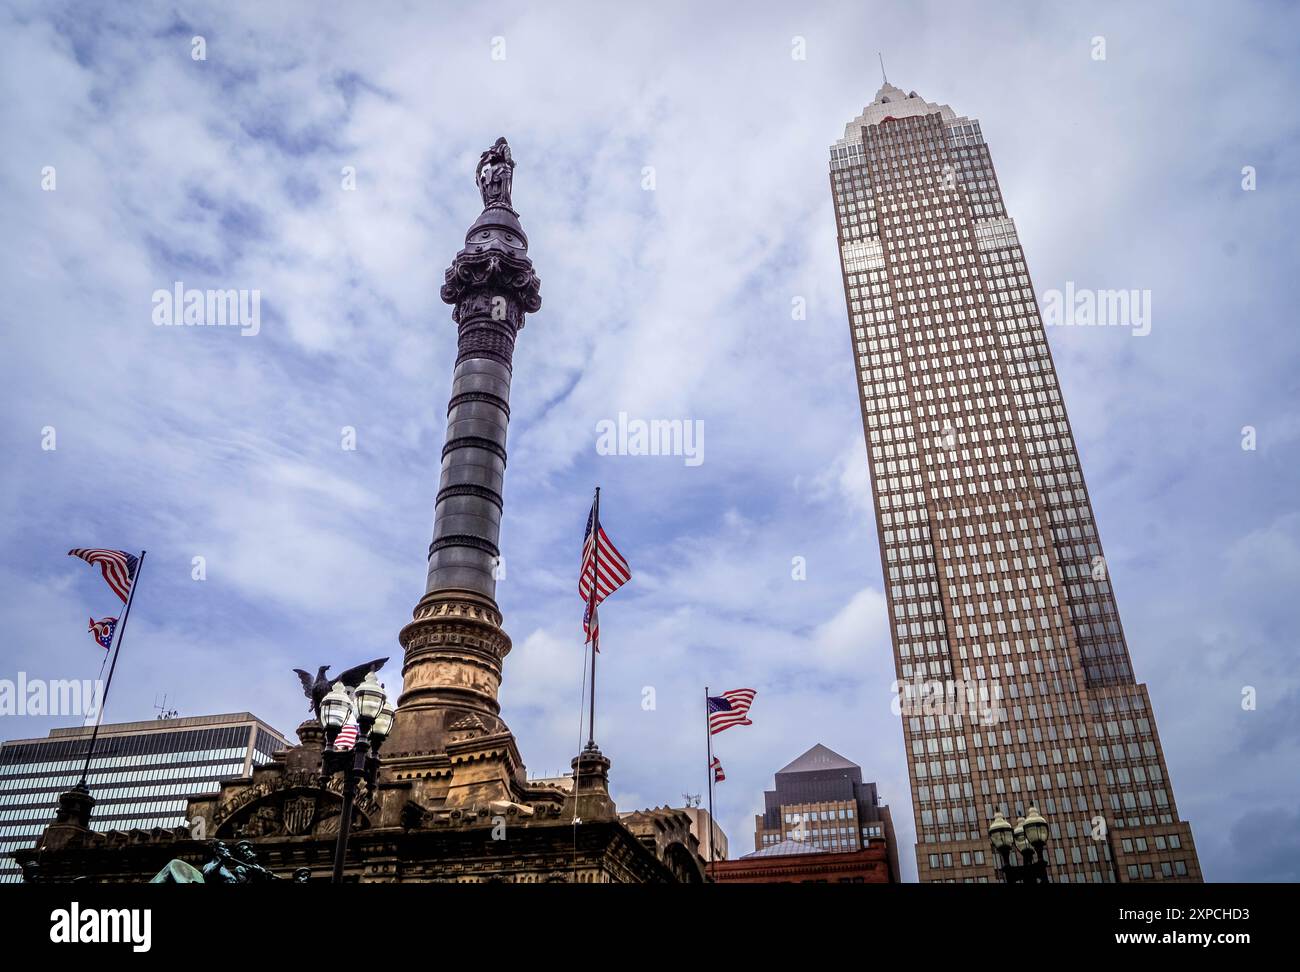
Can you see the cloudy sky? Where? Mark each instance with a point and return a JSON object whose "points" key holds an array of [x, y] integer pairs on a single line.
{"points": [[665, 302]]}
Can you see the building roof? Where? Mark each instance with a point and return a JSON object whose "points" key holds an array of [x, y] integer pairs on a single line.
{"points": [[818, 758], [892, 102], [787, 848], [218, 720]]}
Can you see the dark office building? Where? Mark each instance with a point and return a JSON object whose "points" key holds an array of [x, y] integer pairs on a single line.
{"points": [[141, 776], [821, 802]]}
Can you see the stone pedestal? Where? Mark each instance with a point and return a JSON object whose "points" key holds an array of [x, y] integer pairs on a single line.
{"points": [[71, 819], [590, 799]]}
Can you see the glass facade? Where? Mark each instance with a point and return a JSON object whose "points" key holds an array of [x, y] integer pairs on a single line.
{"points": [[995, 578], [141, 776]]}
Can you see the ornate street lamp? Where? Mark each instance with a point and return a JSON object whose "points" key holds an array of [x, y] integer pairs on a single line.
{"points": [[335, 708], [1035, 829], [1022, 845], [383, 725], [1000, 835], [374, 716], [1029, 838]]}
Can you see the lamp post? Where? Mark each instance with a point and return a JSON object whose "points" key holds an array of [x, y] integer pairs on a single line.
{"points": [[1029, 838], [374, 717]]}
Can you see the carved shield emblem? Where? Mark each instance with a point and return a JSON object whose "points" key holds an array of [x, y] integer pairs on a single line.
{"points": [[298, 815]]}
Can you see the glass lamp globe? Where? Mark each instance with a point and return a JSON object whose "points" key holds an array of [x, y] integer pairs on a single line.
{"points": [[335, 707], [1022, 844], [370, 697], [383, 723], [1000, 832], [1035, 828]]}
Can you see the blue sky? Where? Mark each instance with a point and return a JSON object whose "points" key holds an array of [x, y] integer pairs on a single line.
{"points": [[665, 303]]}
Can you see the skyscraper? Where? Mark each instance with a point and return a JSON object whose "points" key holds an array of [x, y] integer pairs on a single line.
{"points": [[142, 776], [994, 573], [820, 799]]}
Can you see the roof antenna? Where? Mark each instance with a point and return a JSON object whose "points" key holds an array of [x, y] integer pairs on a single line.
{"points": [[163, 711], [882, 67]]}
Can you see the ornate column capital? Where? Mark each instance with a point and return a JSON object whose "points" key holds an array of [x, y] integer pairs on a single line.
{"points": [[492, 277]]}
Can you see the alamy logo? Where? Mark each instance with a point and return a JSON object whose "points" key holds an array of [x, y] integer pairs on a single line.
{"points": [[72, 926], [1080, 307], [656, 437], [975, 700], [51, 697], [179, 307]]}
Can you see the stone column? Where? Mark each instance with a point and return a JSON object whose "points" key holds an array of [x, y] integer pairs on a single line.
{"points": [[455, 644]]}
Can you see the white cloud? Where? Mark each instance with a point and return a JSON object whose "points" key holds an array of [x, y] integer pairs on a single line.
{"points": [[666, 304]]}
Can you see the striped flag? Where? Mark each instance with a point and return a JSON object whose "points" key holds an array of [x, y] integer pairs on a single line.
{"points": [[603, 570], [729, 709], [347, 737], [102, 632], [118, 567], [716, 766]]}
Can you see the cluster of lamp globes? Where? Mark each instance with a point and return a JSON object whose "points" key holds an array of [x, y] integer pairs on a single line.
{"points": [[1029, 831], [368, 702]]}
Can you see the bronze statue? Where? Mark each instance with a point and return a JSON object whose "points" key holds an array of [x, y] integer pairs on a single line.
{"points": [[178, 872], [222, 868], [247, 867], [316, 689], [240, 867], [495, 173]]}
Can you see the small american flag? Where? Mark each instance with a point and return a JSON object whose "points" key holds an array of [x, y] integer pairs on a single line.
{"points": [[347, 737], [716, 766], [602, 565], [102, 632], [118, 567], [729, 709]]}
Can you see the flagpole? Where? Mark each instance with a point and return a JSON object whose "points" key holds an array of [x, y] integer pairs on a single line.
{"points": [[708, 735], [117, 650], [591, 611]]}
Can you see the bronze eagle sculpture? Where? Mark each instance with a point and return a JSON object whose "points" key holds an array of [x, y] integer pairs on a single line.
{"points": [[316, 688]]}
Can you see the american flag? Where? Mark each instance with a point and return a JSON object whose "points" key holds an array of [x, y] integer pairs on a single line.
{"points": [[347, 737], [603, 565], [716, 766], [102, 631], [728, 709], [118, 567]]}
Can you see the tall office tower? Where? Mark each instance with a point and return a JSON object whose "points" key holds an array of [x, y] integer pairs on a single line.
{"points": [[993, 568], [140, 777], [820, 800]]}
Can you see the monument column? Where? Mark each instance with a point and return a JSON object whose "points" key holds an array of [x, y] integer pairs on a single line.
{"points": [[454, 646]]}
